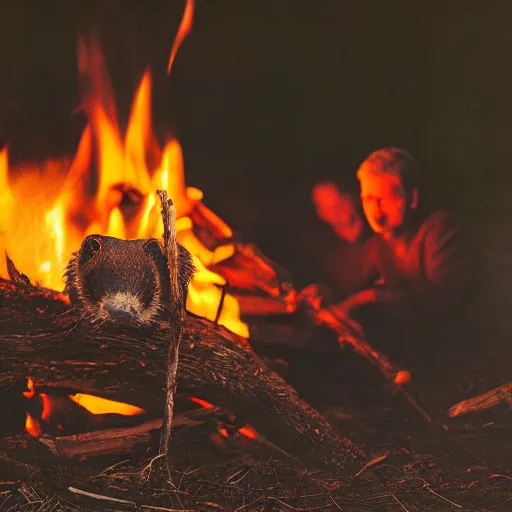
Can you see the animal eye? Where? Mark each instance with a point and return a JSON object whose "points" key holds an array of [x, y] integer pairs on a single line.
{"points": [[90, 247]]}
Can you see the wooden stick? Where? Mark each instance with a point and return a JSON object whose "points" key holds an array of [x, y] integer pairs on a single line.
{"points": [[177, 311], [500, 395], [350, 332]]}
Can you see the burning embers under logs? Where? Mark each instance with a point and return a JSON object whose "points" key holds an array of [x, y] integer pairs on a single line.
{"points": [[54, 412], [64, 355], [77, 424]]}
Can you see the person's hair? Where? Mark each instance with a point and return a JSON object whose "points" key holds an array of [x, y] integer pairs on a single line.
{"points": [[392, 161]]}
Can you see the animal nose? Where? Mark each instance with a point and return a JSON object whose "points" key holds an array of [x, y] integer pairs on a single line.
{"points": [[122, 305], [120, 314]]}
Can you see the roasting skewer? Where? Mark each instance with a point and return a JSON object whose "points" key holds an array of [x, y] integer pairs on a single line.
{"points": [[350, 333]]}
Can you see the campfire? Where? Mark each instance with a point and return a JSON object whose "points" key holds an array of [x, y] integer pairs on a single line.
{"points": [[79, 403], [109, 188]]}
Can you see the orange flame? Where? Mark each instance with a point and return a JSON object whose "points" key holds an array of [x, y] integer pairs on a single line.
{"points": [[183, 31], [98, 405], [32, 426], [47, 407], [61, 202], [31, 391]]}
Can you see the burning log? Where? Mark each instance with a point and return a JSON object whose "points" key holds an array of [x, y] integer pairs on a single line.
{"points": [[261, 286], [129, 364], [502, 395], [117, 440]]}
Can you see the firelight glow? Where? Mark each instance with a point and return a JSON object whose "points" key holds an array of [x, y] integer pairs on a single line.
{"points": [[47, 210]]}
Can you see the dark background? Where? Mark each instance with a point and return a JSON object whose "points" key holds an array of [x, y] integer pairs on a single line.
{"points": [[268, 96]]}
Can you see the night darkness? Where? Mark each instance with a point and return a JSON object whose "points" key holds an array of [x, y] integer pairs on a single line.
{"points": [[269, 96]]}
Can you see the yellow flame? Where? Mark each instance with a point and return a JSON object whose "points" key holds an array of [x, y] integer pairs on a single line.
{"points": [[55, 225], [111, 160], [138, 137], [6, 197], [57, 206], [116, 224], [98, 405]]}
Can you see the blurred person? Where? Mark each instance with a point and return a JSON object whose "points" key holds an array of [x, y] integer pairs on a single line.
{"points": [[338, 210], [332, 243], [418, 271]]}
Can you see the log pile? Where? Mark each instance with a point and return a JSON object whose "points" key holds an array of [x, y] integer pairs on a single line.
{"points": [[42, 337]]}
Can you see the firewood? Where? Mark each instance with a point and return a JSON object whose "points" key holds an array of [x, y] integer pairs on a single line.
{"points": [[209, 227], [129, 364], [502, 395], [262, 305], [249, 270], [116, 440]]}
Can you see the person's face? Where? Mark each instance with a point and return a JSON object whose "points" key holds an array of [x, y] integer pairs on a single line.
{"points": [[327, 202], [338, 209], [385, 202]]}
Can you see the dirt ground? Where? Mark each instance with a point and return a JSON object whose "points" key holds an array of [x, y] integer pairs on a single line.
{"points": [[450, 464]]}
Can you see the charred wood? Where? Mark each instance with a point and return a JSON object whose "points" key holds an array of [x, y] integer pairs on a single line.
{"points": [[41, 338]]}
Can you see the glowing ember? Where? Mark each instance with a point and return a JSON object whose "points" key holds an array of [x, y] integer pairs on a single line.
{"points": [[109, 189], [47, 407], [201, 402], [31, 391], [249, 432], [32, 426], [246, 431], [97, 405], [56, 408]]}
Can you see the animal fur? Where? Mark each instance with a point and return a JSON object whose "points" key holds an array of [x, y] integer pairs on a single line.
{"points": [[125, 280]]}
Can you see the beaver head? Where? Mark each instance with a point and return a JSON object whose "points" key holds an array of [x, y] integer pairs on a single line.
{"points": [[126, 280]]}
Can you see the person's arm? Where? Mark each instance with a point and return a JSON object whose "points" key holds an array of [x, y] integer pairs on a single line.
{"points": [[366, 289]]}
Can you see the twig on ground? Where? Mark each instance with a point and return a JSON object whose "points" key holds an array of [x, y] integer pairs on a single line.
{"points": [[442, 497], [398, 501], [102, 497], [335, 503], [373, 462]]}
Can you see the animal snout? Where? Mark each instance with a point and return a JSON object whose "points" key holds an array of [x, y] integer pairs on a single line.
{"points": [[123, 305]]}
